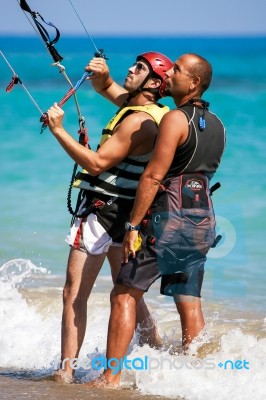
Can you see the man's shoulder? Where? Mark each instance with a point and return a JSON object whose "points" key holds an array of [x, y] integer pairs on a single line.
{"points": [[174, 115], [138, 120], [153, 111]]}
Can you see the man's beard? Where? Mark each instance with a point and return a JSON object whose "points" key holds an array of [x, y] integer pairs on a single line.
{"points": [[167, 92]]}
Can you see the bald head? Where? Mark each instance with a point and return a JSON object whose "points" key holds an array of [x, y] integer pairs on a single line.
{"points": [[198, 66]]}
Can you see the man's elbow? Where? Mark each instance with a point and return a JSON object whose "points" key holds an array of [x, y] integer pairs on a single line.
{"points": [[93, 169], [93, 172], [152, 179]]}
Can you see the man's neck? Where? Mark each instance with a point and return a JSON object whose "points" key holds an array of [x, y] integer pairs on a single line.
{"points": [[142, 99], [181, 101]]}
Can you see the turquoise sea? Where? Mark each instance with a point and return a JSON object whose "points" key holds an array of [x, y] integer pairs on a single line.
{"points": [[35, 174]]}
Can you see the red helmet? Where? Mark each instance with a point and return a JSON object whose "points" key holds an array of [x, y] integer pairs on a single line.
{"points": [[159, 64]]}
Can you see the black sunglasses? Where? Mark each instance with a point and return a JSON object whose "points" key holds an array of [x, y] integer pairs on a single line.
{"points": [[139, 66]]}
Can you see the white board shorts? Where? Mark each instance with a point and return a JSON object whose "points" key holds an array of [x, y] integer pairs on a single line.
{"points": [[88, 235]]}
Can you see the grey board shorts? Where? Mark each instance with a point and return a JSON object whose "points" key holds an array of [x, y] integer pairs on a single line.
{"points": [[142, 273]]}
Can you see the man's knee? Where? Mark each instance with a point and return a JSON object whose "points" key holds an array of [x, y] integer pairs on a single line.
{"points": [[186, 300], [74, 294], [122, 295], [187, 305], [69, 292]]}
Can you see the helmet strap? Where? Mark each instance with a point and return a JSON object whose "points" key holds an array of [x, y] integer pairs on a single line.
{"points": [[141, 88]]}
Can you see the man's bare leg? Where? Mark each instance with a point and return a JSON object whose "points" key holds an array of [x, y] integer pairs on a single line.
{"points": [[148, 328], [121, 325], [191, 317], [82, 271]]}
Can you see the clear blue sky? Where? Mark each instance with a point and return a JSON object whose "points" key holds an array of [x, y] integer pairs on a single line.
{"points": [[145, 17]]}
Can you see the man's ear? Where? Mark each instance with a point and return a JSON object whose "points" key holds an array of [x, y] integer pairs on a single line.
{"points": [[155, 82], [195, 82]]}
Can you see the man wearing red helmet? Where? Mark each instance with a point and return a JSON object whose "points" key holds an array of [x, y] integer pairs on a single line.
{"points": [[108, 186]]}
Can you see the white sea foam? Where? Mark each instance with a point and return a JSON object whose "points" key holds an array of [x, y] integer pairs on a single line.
{"points": [[27, 340], [30, 321], [201, 378]]}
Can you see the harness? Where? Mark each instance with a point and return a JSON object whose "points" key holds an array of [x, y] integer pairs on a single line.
{"points": [[179, 228]]}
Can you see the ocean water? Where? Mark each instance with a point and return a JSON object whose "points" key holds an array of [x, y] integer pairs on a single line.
{"points": [[35, 174]]}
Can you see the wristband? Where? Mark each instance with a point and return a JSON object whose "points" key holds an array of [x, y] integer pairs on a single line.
{"points": [[129, 227]]}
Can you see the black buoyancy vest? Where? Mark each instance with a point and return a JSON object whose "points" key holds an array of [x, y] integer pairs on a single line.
{"points": [[203, 148]]}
